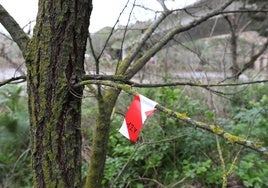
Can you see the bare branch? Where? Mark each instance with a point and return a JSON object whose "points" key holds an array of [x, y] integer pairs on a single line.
{"points": [[253, 58], [215, 130], [147, 8], [138, 46], [251, 61], [16, 32], [5, 56], [122, 79], [134, 68], [163, 5], [112, 31], [11, 80], [96, 59], [160, 185], [125, 33], [191, 122]]}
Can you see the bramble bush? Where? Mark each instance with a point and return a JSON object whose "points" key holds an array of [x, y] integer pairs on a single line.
{"points": [[170, 153], [250, 120], [167, 152], [15, 170]]}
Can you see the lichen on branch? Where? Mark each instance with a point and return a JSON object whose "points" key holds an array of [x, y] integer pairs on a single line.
{"points": [[214, 129]]}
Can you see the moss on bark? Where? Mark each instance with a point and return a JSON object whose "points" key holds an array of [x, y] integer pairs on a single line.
{"points": [[100, 140], [54, 59]]}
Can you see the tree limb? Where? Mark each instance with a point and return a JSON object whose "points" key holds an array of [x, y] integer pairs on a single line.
{"points": [[124, 36], [253, 59], [134, 68], [10, 80], [122, 79], [16, 32], [138, 46], [193, 123]]}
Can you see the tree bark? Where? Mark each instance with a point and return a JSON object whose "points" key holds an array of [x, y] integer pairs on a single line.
{"points": [[55, 61], [106, 105], [16, 32], [232, 22]]}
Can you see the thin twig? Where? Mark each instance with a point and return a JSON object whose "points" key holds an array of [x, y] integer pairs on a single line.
{"points": [[11, 80], [89, 78], [124, 34], [112, 31]]}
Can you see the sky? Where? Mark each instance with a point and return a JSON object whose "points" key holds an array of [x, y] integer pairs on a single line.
{"points": [[105, 12]]}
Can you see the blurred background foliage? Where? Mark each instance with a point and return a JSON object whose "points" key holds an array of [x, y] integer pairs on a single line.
{"points": [[15, 169], [169, 152], [173, 154]]}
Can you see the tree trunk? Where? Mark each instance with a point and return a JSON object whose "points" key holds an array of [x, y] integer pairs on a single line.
{"points": [[55, 61], [232, 21], [106, 104]]}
